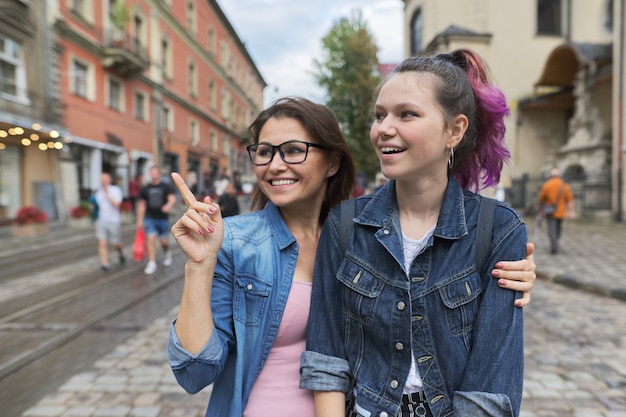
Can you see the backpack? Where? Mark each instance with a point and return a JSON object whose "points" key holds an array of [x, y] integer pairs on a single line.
{"points": [[483, 232]]}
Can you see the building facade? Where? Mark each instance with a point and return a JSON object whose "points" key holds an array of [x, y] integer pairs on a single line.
{"points": [[30, 117], [561, 65], [142, 83]]}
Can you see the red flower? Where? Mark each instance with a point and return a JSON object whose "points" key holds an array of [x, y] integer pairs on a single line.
{"points": [[30, 214]]}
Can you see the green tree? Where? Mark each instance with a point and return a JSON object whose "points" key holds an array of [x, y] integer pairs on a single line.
{"points": [[348, 72]]}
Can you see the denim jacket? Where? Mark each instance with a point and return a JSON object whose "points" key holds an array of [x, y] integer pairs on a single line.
{"points": [[252, 281], [368, 314]]}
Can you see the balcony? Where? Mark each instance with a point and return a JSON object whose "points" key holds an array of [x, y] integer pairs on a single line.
{"points": [[124, 54]]}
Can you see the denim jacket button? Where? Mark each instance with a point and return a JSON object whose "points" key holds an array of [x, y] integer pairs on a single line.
{"points": [[386, 231], [249, 287], [384, 414], [401, 305], [393, 384], [399, 346]]}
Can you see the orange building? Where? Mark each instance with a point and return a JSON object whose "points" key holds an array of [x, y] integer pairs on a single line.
{"points": [[139, 82], [153, 82]]}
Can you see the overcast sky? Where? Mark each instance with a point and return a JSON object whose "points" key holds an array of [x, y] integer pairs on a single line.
{"points": [[283, 37]]}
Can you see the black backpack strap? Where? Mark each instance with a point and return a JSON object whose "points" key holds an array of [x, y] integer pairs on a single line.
{"points": [[346, 225], [483, 231]]}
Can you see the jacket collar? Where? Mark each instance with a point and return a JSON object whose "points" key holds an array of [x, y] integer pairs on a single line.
{"points": [[381, 209], [280, 231]]}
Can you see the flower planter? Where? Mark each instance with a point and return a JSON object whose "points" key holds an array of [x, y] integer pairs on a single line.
{"points": [[30, 229], [80, 223]]}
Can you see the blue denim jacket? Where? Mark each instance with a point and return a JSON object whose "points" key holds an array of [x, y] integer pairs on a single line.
{"points": [[252, 280], [367, 315]]}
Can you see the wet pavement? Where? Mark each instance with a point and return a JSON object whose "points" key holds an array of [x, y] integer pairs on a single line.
{"points": [[575, 353]]}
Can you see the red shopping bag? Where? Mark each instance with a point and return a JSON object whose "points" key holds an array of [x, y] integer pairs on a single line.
{"points": [[139, 245]]}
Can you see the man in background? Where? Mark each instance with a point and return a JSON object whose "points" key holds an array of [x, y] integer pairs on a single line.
{"points": [[556, 193], [109, 221], [228, 201], [155, 202]]}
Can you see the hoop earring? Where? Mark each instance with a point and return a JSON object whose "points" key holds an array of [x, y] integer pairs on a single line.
{"points": [[451, 158]]}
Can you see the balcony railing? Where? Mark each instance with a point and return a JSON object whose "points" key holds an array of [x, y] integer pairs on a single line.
{"points": [[124, 54]]}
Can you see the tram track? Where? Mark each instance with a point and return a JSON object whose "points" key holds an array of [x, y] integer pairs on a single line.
{"points": [[30, 256], [32, 331]]}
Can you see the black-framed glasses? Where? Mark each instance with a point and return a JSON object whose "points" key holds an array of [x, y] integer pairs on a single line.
{"points": [[292, 152]]}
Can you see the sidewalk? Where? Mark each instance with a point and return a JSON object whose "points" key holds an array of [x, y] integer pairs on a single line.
{"points": [[591, 258], [135, 380]]}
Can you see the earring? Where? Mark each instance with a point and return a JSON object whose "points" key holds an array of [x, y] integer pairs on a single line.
{"points": [[451, 158]]}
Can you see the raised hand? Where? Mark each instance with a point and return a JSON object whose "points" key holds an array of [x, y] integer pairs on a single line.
{"points": [[200, 230]]}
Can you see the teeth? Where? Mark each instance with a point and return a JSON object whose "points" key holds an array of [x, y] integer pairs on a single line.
{"points": [[389, 149], [283, 182]]}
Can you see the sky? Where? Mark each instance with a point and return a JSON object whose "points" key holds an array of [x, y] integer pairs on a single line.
{"points": [[283, 37]]}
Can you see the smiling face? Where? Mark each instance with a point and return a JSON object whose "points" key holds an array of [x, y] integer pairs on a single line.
{"points": [[410, 134], [293, 185]]}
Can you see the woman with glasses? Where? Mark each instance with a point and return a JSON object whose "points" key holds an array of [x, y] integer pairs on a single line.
{"points": [[243, 315]]}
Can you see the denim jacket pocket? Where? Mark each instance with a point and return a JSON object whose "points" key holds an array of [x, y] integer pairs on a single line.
{"points": [[251, 298], [461, 300], [361, 289]]}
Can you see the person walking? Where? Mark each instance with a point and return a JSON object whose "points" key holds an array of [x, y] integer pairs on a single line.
{"points": [[155, 202], [134, 188], [242, 321], [556, 202], [108, 223], [228, 201], [402, 322]]}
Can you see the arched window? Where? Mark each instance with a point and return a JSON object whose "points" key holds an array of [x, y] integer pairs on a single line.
{"points": [[417, 27]]}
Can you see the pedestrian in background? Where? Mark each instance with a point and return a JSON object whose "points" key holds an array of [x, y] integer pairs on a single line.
{"points": [[243, 315], [228, 201], [556, 202], [402, 322], [155, 202], [109, 221], [134, 188]]}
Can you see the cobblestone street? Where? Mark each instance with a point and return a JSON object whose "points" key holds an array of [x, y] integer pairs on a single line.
{"points": [[575, 354]]}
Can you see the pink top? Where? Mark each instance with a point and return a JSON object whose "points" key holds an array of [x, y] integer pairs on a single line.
{"points": [[276, 390]]}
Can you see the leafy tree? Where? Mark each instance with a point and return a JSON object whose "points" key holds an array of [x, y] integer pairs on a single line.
{"points": [[348, 73]]}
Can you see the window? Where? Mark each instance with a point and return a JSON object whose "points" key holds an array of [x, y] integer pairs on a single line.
{"points": [[116, 95], [225, 145], [417, 27], [191, 16], [192, 81], [549, 17], [193, 132], [609, 20], [226, 99], [79, 77], [12, 70], [167, 118], [139, 30], [83, 9], [213, 141], [166, 59], [223, 54], [212, 43], [140, 106], [212, 95]]}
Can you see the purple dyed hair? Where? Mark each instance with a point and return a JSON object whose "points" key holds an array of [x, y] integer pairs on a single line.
{"points": [[465, 88]]}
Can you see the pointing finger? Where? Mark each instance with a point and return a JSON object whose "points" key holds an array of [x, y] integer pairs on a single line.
{"points": [[185, 192]]}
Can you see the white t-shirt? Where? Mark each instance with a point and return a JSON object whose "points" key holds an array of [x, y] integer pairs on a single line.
{"points": [[411, 249], [106, 211]]}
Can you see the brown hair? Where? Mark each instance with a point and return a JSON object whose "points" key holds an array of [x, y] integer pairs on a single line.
{"points": [[320, 123]]}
